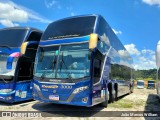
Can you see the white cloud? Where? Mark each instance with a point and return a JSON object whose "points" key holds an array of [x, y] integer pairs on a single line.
{"points": [[131, 48], [145, 64], [152, 2], [147, 51], [117, 32], [123, 53], [52, 3], [144, 59], [11, 13], [8, 23]]}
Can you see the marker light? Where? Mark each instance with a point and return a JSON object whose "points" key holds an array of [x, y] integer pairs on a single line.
{"points": [[23, 47], [93, 41]]}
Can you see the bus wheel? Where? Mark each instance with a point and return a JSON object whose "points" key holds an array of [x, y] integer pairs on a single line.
{"points": [[130, 89], [116, 95], [111, 96], [104, 104]]}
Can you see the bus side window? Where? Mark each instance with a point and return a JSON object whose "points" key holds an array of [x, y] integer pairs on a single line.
{"points": [[98, 65], [25, 69], [34, 36], [32, 48], [97, 68]]}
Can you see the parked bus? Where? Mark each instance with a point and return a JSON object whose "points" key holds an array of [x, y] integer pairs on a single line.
{"points": [[78, 62], [140, 84], [151, 84], [158, 68], [18, 47]]}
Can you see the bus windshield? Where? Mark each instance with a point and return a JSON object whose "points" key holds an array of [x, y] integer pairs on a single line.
{"points": [[140, 83], [3, 61], [12, 37], [63, 62], [151, 82]]}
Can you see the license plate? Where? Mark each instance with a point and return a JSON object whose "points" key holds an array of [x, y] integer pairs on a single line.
{"points": [[54, 97]]}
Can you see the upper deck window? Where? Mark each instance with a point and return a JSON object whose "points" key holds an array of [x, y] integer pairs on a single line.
{"points": [[73, 27], [12, 37]]}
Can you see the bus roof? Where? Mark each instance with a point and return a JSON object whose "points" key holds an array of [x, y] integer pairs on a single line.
{"points": [[88, 15], [21, 28], [140, 80], [72, 26], [151, 80], [15, 36]]}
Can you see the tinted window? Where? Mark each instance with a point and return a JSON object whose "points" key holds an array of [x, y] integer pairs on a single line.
{"points": [[12, 37], [152, 82], [73, 27], [34, 36], [98, 65]]}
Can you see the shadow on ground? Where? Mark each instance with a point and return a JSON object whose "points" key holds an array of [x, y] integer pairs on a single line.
{"points": [[57, 110], [16, 103], [152, 106]]}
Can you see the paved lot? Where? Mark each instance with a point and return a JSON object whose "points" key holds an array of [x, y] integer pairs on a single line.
{"points": [[140, 100]]}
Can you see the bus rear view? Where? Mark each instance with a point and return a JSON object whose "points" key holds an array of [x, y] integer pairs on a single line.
{"points": [[151, 84], [72, 63]]}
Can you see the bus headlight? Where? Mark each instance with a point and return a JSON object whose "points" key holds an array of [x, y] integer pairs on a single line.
{"points": [[80, 89], [5, 90]]}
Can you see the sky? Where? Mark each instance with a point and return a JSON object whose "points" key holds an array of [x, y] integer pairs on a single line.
{"points": [[135, 22]]}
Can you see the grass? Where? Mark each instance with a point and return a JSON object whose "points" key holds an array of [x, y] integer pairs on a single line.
{"points": [[124, 103]]}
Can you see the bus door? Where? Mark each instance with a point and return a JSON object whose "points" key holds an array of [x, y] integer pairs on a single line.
{"points": [[23, 88], [98, 81], [25, 69]]}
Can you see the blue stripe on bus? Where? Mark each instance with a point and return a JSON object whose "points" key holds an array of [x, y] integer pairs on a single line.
{"points": [[9, 51], [67, 40], [33, 42]]}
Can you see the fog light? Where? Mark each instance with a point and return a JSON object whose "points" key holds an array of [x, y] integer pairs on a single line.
{"points": [[85, 99], [8, 98]]}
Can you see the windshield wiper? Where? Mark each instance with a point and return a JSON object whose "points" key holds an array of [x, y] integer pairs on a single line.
{"points": [[3, 80], [52, 66], [66, 70], [6, 46]]}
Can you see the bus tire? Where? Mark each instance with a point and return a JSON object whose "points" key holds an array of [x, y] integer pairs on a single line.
{"points": [[104, 104], [111, 97], [130, 89], [116, 95]]}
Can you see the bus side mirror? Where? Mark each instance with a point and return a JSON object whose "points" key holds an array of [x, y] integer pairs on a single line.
{"points": [[10, 59], [23, 47], [93, 41]]}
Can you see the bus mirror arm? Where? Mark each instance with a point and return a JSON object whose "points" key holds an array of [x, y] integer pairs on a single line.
{"points": [[10, 59], [89, 55]]}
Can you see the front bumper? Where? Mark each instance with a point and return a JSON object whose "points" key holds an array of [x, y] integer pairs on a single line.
{"points": [[7, 97]]}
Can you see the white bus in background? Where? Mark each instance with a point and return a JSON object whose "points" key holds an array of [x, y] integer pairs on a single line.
{"points": [[158, 68], [140, 84]]}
